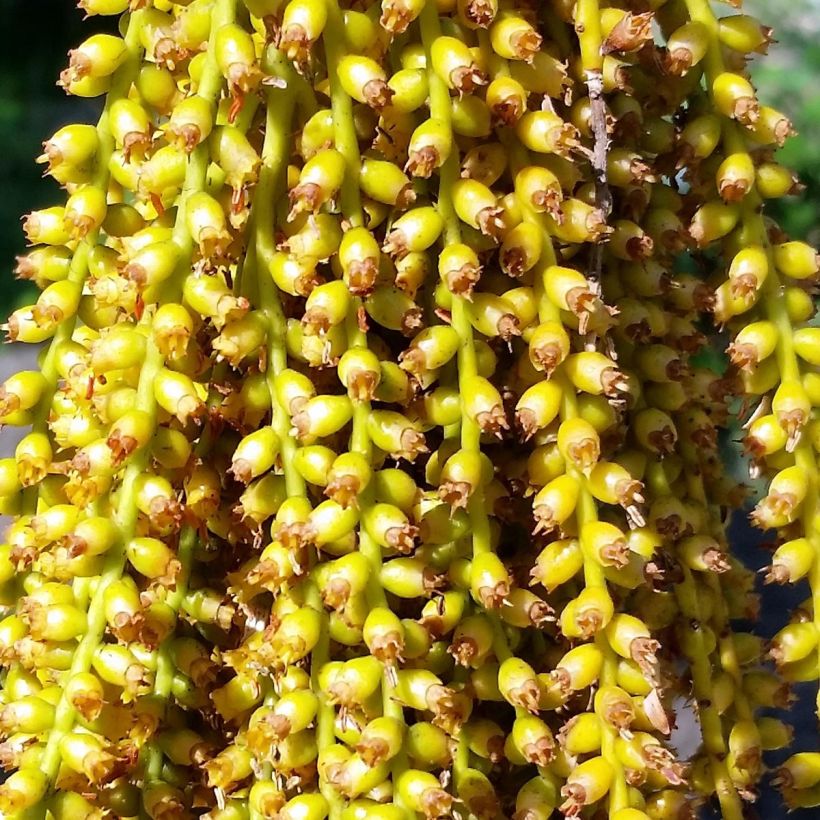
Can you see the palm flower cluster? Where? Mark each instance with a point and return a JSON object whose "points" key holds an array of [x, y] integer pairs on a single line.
{"points": [[372, 468]]}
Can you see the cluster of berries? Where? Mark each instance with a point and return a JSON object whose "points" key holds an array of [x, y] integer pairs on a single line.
{"points": [[373, 466]]}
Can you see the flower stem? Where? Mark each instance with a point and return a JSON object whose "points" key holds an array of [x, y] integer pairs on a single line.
{"points": [[586, 511], [346, 142]]}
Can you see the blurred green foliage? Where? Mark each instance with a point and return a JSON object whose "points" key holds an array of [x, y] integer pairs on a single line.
{"points": [[38, 34], [789, 79]]}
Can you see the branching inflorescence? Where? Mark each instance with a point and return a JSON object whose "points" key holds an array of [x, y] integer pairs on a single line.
{"points": [[373, 468]]}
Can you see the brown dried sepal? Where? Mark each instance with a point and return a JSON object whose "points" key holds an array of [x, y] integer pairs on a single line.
{"points": [[541, 752], [9, 402], [493, 421], [615, 554], [670, 525], [462, 281], [360, 276], [661, 760], [545, 521], [575, 799], [377, 94], [508, 327], [526, 43], [455, 493], [716, 560], [450, 708], [584, 453], [412, 321], [527, 696], [402, 539], [583, 303], [589, 622], [540, 613], [778, 574], [733, 190], [88, 704], [395, 244], [467, 79], [644, 653], [45, 316], [344, 490], [266, 574], [638, 331], [373, 750], [436, 803], [388, 647], [315, 322], [774, 506], [423, 162], [746, 110], [546, 357], [153, 630], [432, 580], [629, 494], [640, 247], [11, 752], [295, 43], [495, 596], [305, 197], [507, 111], [165, 513], [565, 139], [480, 13], [186, 136], [613, 382], [677, 62], [270, 730], [630, 33], [783, 129], [663, 441], [79, 66], [491, 223], [168, 579], [128, 627], [102, 767], [396, 17], [465, 650], [121, 446], [138, 681], [620, 713], [549, 201], [413, 444], [512, 262], [792, 422]]}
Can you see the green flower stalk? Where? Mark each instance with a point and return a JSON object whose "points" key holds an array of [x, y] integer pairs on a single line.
{"points": [[585, 511], [360, 384], [470, 426]]}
